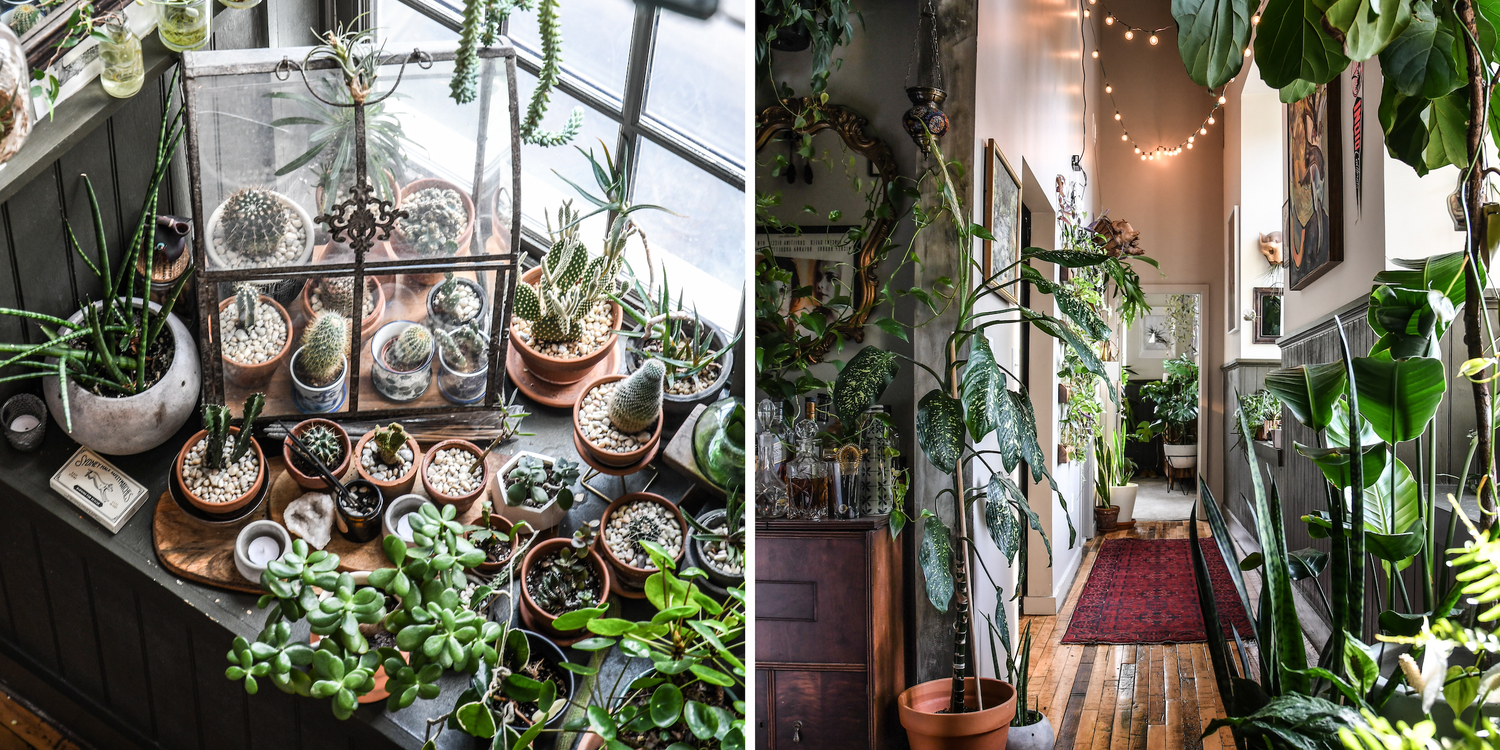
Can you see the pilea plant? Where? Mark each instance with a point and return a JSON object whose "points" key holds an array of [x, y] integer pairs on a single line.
{"points": [[481, 26]]}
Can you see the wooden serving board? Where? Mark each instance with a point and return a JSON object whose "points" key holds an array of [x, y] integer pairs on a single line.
{"points": [[205, 554]]}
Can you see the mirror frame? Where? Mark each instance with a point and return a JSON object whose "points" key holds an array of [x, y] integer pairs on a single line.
{"points": [[781, 119], [1261, 293]]}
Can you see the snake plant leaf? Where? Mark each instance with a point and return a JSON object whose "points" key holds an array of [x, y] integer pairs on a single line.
{"points": [[1306, 563], [1421, 62], [862, 380], [1211, 38], [1369, 26], [940, 429], [1334, 463], [1252, 561], [983, 390], [1004, 529], [1220, 529], [935, 557], [1218, 647], [1292, 44], [1309, 391], [1399, 397]]}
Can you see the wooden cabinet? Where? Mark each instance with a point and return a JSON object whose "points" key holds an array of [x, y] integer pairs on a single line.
{"points": [[829, 661]]}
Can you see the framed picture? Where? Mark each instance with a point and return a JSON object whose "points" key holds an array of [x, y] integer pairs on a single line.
{"points": [[1314, 231], [1002, 217], [1267, 314], [819, 260], [1156, 340], [1232, 271]]}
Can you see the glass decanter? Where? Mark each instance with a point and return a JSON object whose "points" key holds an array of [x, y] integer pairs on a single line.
{"points": [[877, 442], [770, 491], [807, 476]]}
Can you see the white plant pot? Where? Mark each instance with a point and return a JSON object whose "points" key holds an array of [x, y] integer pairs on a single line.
{"points": [[134, 424], [250, 533], [1038, 736], [542, 518], [1182, 456], [1124, 499], [397, 509], [216, 261]]}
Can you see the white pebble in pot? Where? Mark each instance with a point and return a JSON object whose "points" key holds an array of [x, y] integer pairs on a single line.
{"points": [[643, 519], [452, 472]]}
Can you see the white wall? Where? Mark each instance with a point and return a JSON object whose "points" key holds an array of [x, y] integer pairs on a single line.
{"points": [[1261, 171]]}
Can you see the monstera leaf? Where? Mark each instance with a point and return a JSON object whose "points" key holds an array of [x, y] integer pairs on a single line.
{"points": [[1399, 397], [940, 429], [1309, 391], [862, 381], [983, 390], [1211, 37]]}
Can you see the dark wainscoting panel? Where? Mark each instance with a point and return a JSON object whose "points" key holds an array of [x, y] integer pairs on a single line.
{"points": [[1241, 378]]}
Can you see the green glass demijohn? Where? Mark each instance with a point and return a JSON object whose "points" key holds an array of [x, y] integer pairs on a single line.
{"points": [[719, 443]]}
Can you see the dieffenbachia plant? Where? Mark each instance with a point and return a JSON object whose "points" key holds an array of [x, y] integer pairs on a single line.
{"points": [[972, 398]]}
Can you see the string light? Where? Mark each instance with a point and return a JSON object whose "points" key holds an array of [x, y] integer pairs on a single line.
{"points": [[1108, 89], [1129, 34], [1109, 20], [1210, 119], [1124, 136], [1085, 12], [1222, 100], [1154, 40], [1117, 116], [1255, 20], [1096, 54]]}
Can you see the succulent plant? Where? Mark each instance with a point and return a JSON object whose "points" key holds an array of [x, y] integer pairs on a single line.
{"points": [[636, 401], [464, 348], [389, 441], [216, 420], [324, 444], [325, 344], [25, 18], [566, 581], [410, 350], [530, 475], [246, 304], [254, 220], [337, 294], [435, 217], [570, 285]]}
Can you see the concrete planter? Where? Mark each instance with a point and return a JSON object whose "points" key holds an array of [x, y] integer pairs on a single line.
{"points": [[1038, 736], [1124, 499]]}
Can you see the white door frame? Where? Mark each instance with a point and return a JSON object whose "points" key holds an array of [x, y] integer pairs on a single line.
{"points": [[1202, 290]]}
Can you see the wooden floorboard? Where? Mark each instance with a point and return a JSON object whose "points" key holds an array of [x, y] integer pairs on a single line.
{"points": [[1125, 697], [22, 729]]}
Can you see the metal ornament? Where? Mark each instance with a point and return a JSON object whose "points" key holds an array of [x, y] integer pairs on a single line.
{"points": [[925, 116]]}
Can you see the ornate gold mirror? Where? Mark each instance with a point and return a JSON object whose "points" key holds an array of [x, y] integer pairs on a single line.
{"points": [[825, 208]]}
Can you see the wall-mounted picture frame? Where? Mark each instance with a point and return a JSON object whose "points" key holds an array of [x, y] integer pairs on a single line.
{"points": [[1232, 271], [1002, 218], [1267, 325], [1314, 227]]}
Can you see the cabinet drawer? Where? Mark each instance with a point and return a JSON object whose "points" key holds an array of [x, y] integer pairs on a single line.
{"points": [[812, 600], [824, 710]]}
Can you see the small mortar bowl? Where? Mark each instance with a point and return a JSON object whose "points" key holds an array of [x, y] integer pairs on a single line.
{"points": [[398, 508], [250, 533]]}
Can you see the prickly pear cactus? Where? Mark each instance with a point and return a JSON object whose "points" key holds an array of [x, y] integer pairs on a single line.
{"points": [[636, 401], [324, 444], [410, 350], [570, 285], [389, 441], [24, 18], [464, 348], [325, 344], [254, 220], [246, 304]]}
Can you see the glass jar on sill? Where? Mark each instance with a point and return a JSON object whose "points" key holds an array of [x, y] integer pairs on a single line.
{"points": [[120, 51], [719, 443], [183, 24]]}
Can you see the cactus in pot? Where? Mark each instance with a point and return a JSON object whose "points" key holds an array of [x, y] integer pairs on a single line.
{"points": [[435, 219], [254, 221], [410, 350], [338, 295], [325, 345], [216, 420], [324, 444], [636, 401], [464, 348], [246, 304], [389, 441], [24, 18]]}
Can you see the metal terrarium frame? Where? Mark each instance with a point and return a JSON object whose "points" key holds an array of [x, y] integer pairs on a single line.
{"points": [[361, 220]]}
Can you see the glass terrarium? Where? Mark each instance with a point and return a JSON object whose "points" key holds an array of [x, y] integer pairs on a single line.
{"points": [[318, 196]]}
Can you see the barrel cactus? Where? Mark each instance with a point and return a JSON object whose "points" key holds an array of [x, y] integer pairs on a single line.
{"points": [[325, 345], [410, 350], [254, 221], [338, 295], [636, 401], [324, 444], [389, 441], [570, 285], [246, 304], [464, 348], [24, 18]]}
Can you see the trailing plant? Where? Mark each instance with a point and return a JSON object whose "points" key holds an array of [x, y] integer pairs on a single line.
{"points": [[325, 348], [567, 581], [1258, 408], [482, 22], [826, 24], [1080, 417], [533, 482], [82, 24], [1114, 469], [112, 351], [972, 393], [684, 342], [216, 421], [1182, 323], [1176, 399]]}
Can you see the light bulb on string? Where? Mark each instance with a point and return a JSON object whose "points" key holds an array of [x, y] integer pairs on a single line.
{"points": [[1190, 139], [1129, 34], [1109, 20], [1202, 131], [1255, 20], [1247, 52], [1085, 12], [1096, 54], [1210, 119], [1190, 145], [1124, 136], [1108, 89], [1154, 40], [1143, 158], [1222, 100], [1137, 149], [1117, 117]]}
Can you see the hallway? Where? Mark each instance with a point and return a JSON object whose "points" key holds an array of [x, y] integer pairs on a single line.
{"points": [[1126, 697]]}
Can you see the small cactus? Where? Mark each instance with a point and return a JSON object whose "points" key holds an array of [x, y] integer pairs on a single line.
{"points": [[216, 420], [464, 348], [324, 444], [254, 220], [389, 441], [435, 217], [410, 350], [571, 284], [246, 304], [325, 344], [338, 294], [636, 401], [447, 297], [24, 19]]}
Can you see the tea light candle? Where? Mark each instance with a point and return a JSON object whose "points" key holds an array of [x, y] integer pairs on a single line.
{"points": [[403, 528], [24, 423], [262, 550]]}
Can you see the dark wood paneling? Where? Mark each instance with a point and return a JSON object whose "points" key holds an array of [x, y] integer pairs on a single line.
{"points": [[26, 591], [1241, 378], [122, 644], [821, 709], [66, 579]]}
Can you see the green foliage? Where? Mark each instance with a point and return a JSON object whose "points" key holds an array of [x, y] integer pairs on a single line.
{"points": [[389, 441], [684, 343], [533, 485], [827, 24], [635, 403], [410, 350], [482, 21], [216, 421], [1176, 399], [567, 580], [1259, 406], [731, 534], [254, 220], [325, 345], [435, 220], [1114, 468]]}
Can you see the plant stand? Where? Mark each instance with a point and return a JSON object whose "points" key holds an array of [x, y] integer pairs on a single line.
{"points": [[616, 471]]}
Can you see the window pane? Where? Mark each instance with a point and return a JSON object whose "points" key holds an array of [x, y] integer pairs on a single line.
{"points": [[698, 80], [542, 191], [596, 39], [703, 247], [401, 25]]}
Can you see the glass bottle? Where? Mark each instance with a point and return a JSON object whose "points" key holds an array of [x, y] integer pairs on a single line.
{"points": [[719, 443], [807, 476], [847, 461], [183, 24], [770, 491], [877, 443], [120, 51]]}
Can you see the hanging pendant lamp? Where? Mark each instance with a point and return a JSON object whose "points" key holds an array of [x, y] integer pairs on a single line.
{"points": [[925, 116]]}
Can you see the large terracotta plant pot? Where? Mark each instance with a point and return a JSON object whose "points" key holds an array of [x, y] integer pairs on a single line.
{"points": [[462, 502], [606, 457], [631, 575], [400, 486], [219, 508], [135, 424], [258, 374], [557, 370], [541, 620], [928, 729], [309, 482], [398, 241]]}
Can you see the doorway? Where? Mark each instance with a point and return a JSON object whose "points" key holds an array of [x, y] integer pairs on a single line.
{"points": [[1164, 402]]}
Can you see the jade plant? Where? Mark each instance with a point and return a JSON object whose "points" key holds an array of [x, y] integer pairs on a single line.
{"points": [[325, 345], [636, 401], [532, 483], [254, 221], [216, 419], [464, 348], [410, 350]]}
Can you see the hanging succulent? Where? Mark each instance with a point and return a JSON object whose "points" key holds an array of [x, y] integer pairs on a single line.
{"points": [[482, 20]]}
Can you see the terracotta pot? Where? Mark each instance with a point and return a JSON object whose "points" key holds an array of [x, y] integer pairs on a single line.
{"points": [[218, 508], [629, 574], [557, 370], [610, 458], [303, 480], [398, 246], [367, 326], [462, 502], [399, 487], [534, 616], [927, 729], [256, 375], [500, 524], [1106, 518]]}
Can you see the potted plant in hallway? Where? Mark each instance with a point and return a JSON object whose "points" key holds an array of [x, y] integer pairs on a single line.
{"points": [[972, 392], [1030, 730], [1176, 399], [1115, 491]]}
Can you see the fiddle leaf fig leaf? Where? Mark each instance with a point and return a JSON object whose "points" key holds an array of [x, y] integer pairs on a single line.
{"points": [[1211, 37], [1292, 44]]}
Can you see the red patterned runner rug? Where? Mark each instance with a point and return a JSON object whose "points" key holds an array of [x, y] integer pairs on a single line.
{"points": [[1142, 591]]}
